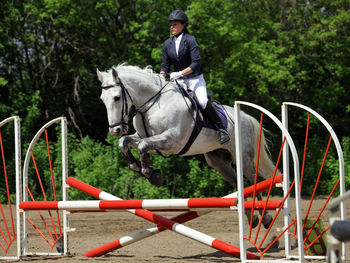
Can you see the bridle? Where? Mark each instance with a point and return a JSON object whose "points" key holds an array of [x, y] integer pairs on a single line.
{"points": [[125, 108], [133, 110]]}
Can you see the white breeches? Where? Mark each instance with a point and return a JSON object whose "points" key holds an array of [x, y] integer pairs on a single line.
{"points": [[198, 86]]}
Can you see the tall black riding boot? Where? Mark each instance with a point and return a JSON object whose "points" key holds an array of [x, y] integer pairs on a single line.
{"points": [[211, 113]]}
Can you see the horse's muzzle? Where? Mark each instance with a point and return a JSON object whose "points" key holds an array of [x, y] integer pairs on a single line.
{"points": [[119, 130]]}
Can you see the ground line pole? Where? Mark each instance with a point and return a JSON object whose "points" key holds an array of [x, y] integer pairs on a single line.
{"points": [[240, 185]]}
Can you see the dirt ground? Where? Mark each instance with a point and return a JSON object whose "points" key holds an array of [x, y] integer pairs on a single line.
{"points": [[96, 229]]}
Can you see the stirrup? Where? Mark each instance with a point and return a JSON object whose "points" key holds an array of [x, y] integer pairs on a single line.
{"points": [[224, 137]]}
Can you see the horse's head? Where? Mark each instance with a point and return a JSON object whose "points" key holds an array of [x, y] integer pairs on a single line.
{"points": [[115, 99]]}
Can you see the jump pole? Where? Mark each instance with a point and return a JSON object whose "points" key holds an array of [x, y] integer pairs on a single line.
{"points": [[149, 204], [154, 229], [181, 229]]}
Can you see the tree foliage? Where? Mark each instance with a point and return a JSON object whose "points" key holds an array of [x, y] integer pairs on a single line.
{"points": [[265, 52]]}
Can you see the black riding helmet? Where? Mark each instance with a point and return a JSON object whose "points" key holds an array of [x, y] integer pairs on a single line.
{"points": [[178, 15]]}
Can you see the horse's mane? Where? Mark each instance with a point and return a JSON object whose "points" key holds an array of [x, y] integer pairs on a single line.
{"points": [[148, 71], [126, 67]]}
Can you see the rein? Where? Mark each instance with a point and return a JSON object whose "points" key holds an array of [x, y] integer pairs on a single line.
{"points": [[133, 110], [156, 97]]}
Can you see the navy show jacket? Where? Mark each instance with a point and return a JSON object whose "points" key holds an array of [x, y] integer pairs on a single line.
{"points": [[188, 55]]}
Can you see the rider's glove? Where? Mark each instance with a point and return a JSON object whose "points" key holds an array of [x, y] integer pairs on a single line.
{"points": [[176, 75]]}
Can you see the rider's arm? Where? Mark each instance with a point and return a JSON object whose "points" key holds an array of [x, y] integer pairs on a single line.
{"points": [[180, 74], [194, 53], [186, 71], [165, 67]]}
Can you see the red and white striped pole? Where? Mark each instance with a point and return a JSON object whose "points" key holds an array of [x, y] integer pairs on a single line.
{"points": [[166, 223], [130, 204], [151, 230], [149, 204], [141, 234]]}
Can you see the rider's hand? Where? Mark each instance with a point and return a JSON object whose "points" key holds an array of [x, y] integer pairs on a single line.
{"points": [[176, 75]]}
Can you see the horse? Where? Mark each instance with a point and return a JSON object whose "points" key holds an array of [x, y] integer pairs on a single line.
{"points": [[164, 122]]}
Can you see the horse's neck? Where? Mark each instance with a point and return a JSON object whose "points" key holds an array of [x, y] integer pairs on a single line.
{"points": [[141, 90]]}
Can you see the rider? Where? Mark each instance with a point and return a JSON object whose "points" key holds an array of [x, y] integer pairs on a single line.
{"points": [[182, 52]]}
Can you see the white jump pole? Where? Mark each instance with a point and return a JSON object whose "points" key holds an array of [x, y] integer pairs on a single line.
{"points": [[17, 134], [66, 227], [18, 182]]}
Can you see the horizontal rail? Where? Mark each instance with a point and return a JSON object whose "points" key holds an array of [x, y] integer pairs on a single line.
{"points": [[150, 204], [154, 229]]}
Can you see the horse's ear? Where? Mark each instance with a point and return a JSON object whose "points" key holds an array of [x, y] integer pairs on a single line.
{"points": [[99, 75], [115, 74]]}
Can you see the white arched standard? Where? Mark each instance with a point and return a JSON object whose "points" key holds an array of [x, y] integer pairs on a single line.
{"points": [[64, 186], [240, 185]]}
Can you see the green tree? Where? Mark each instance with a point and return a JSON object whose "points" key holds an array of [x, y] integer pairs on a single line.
{"points": [[264, 52]]}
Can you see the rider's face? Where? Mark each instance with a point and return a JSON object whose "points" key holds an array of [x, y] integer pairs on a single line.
{"points": [[176, 27]]}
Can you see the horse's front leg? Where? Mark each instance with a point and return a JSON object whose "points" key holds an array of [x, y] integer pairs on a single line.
{"points": [[125, 143], [160, 142]]}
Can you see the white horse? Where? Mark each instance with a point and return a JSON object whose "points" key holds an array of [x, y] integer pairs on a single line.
{"points": [[164, 122]]}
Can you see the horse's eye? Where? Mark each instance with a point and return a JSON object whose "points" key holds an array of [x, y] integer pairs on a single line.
{"points": [[116, 98]]}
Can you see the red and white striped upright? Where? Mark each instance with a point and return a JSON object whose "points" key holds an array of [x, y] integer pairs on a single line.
{"points": [[151, 230]]}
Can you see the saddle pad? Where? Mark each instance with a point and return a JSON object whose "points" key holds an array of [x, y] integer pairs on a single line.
{"points": [[222, 114]]}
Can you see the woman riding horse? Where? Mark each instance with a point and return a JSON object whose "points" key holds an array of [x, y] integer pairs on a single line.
{"points": [[182, 52]]}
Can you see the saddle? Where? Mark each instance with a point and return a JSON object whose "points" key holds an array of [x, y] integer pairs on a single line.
{"points": [[201, 121]]}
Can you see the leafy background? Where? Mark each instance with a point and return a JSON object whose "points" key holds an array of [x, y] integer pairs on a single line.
{"points": [[264, 52]]}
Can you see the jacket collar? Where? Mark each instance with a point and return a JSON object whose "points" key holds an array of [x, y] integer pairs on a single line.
{"points": [[181, 43]]}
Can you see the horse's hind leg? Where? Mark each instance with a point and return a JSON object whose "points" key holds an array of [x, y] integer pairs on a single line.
{"points": [[249, 173], [221, 161], [267, 218]]}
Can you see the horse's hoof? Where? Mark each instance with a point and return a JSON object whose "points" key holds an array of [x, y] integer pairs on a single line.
{"points": [[59, 245], [255, 221], [156, 178], [276, 244], [135, 167], [147, 172], [267, 221]]}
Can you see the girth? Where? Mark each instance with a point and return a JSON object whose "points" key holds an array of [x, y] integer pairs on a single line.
{"points": [[196, 128]]}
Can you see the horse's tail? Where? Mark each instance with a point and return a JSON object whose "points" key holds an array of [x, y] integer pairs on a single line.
{"points": [[266, 166]]}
